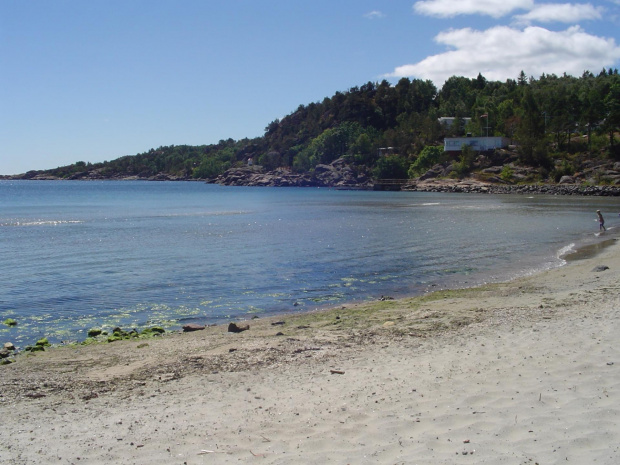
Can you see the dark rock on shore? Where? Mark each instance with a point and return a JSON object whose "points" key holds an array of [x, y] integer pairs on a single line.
{"points": [[235, 328], [192, 327], [599, 268]]}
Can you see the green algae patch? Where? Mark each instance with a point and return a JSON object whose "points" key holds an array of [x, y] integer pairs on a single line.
{"points": [[94, 332], [39, 346], [43, 342], [10, 322], [118, 334], [154, 330], [360, 316], [420, 316], [465, 293]]}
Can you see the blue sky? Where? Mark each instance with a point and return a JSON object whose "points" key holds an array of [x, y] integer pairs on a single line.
{"points": [[94, 80]]}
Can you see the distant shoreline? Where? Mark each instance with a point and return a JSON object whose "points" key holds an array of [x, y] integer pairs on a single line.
{"points": [[467, 185]]}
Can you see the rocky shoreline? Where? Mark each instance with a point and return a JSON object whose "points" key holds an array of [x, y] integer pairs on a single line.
{"points": [[337, 174], [481, 187], [341, 175]]}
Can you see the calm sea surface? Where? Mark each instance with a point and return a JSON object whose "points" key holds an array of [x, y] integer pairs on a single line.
{"points": [[76, 255]]}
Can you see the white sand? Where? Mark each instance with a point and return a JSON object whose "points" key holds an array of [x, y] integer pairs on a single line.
{"points": [[526, 372]]}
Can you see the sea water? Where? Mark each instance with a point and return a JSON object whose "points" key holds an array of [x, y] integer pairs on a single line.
{"points": [[75, 255]]}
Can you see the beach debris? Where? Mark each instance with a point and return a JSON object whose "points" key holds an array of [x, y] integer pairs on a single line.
{"points": [[192, 327], [298, 351], [279, 333], [610, 363], [336, 372], [90, 395], [386, 297], [10, 322], [276, 323], [235, 328], [599, 268]]}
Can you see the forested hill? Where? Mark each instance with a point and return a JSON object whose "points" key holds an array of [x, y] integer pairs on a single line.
{"points": [[557, 123]]}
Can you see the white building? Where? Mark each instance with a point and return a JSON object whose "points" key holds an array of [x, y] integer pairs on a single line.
{"points": [[479, 144]]}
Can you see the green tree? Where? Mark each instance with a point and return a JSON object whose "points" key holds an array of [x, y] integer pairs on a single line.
{"points": [[209, 168], [612, 109], [362, 149], [430, 156], [466, 161], [391, 167], [270, 161]]}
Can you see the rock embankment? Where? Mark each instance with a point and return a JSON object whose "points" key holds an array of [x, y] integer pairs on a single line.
{"points": [[476, 186], [337, 174]]}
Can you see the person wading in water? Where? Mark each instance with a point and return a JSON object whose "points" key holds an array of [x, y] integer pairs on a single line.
{"points": [[601, 221]]}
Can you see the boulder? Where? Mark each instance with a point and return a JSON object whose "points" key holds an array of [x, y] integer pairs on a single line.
{"points": [[598, 269], [235, 328], [192, 327]]}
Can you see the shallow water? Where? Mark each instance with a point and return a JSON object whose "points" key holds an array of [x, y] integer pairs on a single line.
{"points": [[77, 255]]}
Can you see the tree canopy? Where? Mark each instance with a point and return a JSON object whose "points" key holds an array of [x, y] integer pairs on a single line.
{"points": [[540, 115]]}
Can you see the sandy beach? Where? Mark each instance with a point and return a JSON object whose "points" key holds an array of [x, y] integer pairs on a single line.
{"points": [[524, 372]]}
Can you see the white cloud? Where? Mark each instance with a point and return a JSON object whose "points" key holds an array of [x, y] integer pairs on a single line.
{"points": [[450, 8], [561, 12], [374, 15], [502, 52]]}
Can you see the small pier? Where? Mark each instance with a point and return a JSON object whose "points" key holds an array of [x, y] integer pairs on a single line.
{"points": [[389, 184]]}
